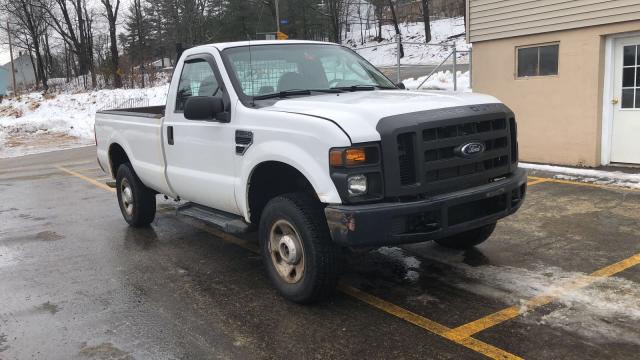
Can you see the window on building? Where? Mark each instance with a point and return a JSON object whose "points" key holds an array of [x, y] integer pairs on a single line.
{"points": [[537, 60], [631, 77]]}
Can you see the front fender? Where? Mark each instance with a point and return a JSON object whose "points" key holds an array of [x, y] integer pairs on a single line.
{"points": [[315, 169]]}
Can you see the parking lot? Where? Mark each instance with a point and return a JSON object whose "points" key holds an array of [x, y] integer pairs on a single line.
{"points": [[557, 280]]}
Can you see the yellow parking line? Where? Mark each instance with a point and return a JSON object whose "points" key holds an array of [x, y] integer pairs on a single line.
{"points": [[481, 347], [536, 181], [86, 178], [476, 345], [579, 183], [511, 312]]}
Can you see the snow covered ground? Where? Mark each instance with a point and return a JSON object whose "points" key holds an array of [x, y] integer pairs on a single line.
{"points": [[36, 123], [442, 80], [599, 177], [384, 53]]}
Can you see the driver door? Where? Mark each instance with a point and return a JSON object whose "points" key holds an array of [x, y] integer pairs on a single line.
{"points": [[200, 154]]}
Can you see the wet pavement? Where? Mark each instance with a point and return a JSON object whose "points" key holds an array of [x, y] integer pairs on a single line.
{"points": [[77, 283]]}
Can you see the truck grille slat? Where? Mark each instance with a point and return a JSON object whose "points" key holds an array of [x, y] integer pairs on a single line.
{"points": [[406, 154]]}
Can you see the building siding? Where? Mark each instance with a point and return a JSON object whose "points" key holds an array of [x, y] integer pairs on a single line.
{"points": [[559, 117], [498, 19]]}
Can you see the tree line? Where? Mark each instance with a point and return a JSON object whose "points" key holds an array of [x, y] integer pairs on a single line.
{"points": [[111, 40]]}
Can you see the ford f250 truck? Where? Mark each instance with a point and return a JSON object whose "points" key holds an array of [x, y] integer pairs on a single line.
{"points": [[313, 147]]}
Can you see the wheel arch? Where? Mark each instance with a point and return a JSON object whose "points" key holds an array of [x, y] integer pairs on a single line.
{"points": [[269, 179], [117, 156]]}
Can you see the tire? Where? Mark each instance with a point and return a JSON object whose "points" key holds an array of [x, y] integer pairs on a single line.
{"points": [[137, 202], [468, 239], [302, 262]]}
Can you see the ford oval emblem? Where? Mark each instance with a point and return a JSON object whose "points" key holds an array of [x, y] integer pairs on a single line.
{"points": [[471, 149]]}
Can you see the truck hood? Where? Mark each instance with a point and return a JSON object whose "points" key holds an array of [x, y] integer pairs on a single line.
{"points": [[358, 113]]}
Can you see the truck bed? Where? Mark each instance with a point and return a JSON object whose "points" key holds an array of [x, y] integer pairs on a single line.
{"points": [[146, 111]]}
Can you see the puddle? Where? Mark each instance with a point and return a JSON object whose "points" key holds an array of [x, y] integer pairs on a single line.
{"points": [[49, 307], [49, 236], [104, 351]]}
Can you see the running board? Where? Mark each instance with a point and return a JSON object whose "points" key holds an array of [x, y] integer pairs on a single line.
{"points": [[111, 183], [224, 221]]}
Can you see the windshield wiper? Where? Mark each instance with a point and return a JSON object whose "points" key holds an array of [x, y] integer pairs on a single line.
{"points": [[285, 93], [363, 87], [282, 94]]}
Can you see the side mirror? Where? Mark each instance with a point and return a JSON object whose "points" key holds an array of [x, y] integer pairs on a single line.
{"points": [[203, 108], [400, 85]]}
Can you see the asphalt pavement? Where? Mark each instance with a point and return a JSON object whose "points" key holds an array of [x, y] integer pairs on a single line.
{"points": [[557, 280]]}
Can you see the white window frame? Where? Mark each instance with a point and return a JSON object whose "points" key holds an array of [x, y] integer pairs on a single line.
{"points": [[635, 86]]}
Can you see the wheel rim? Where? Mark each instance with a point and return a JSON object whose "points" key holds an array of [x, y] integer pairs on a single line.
{"points": [[126, 198], [287, 253]]}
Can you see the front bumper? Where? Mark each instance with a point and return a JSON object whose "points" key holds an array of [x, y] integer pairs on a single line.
{"points": [[434, 218]]}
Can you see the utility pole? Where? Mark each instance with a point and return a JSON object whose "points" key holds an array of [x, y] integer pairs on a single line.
{"points": [[277, 17], [13, 70]]}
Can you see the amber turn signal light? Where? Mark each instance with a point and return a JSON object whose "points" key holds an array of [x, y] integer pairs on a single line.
{"points": [[355, 156], [352, 156], [335, 157]]}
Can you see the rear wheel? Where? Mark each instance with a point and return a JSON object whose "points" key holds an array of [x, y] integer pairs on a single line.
{"points": [[137, 202], [468, 239], [301, 260]]}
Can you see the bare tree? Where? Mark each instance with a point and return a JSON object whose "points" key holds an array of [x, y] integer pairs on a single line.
{"points": [[88, 36], [112, 18], [427, 20], [394, 19], [378, 6], [70, 24]]}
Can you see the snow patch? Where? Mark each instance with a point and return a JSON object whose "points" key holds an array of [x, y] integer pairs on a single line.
{"points": [[606, 311], [442, 80], [599, 177], [36, 123]]}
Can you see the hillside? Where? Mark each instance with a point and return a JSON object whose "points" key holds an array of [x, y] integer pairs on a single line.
{"points": [[384, 53]]}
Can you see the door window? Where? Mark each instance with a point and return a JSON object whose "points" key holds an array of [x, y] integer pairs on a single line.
{"points": [[197, 79], [631, 77]]}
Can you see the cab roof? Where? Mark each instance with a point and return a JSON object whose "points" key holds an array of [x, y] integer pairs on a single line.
{"points": [[226, 45]]}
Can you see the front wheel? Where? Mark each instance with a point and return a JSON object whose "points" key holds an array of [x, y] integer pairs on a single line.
{"points": [[301, 260], [137, 202], [468, 239]]}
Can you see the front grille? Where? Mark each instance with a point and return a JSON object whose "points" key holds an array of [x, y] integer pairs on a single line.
{"points": [[430, 156]]}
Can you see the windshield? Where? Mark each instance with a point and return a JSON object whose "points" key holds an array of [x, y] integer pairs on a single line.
{"points": [[278, 68]]}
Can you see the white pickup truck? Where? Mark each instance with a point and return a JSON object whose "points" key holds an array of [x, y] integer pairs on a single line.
{"points": [[313, 147]]}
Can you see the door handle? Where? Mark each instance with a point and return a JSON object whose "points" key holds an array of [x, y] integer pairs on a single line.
{"points": [[614, 101], [170, 135]]}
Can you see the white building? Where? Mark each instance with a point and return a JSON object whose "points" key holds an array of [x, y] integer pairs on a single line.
{"points": [[25, 75]]}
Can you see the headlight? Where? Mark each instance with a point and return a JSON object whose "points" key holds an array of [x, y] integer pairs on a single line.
{"points": [[356, 171], [357, 185]]}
